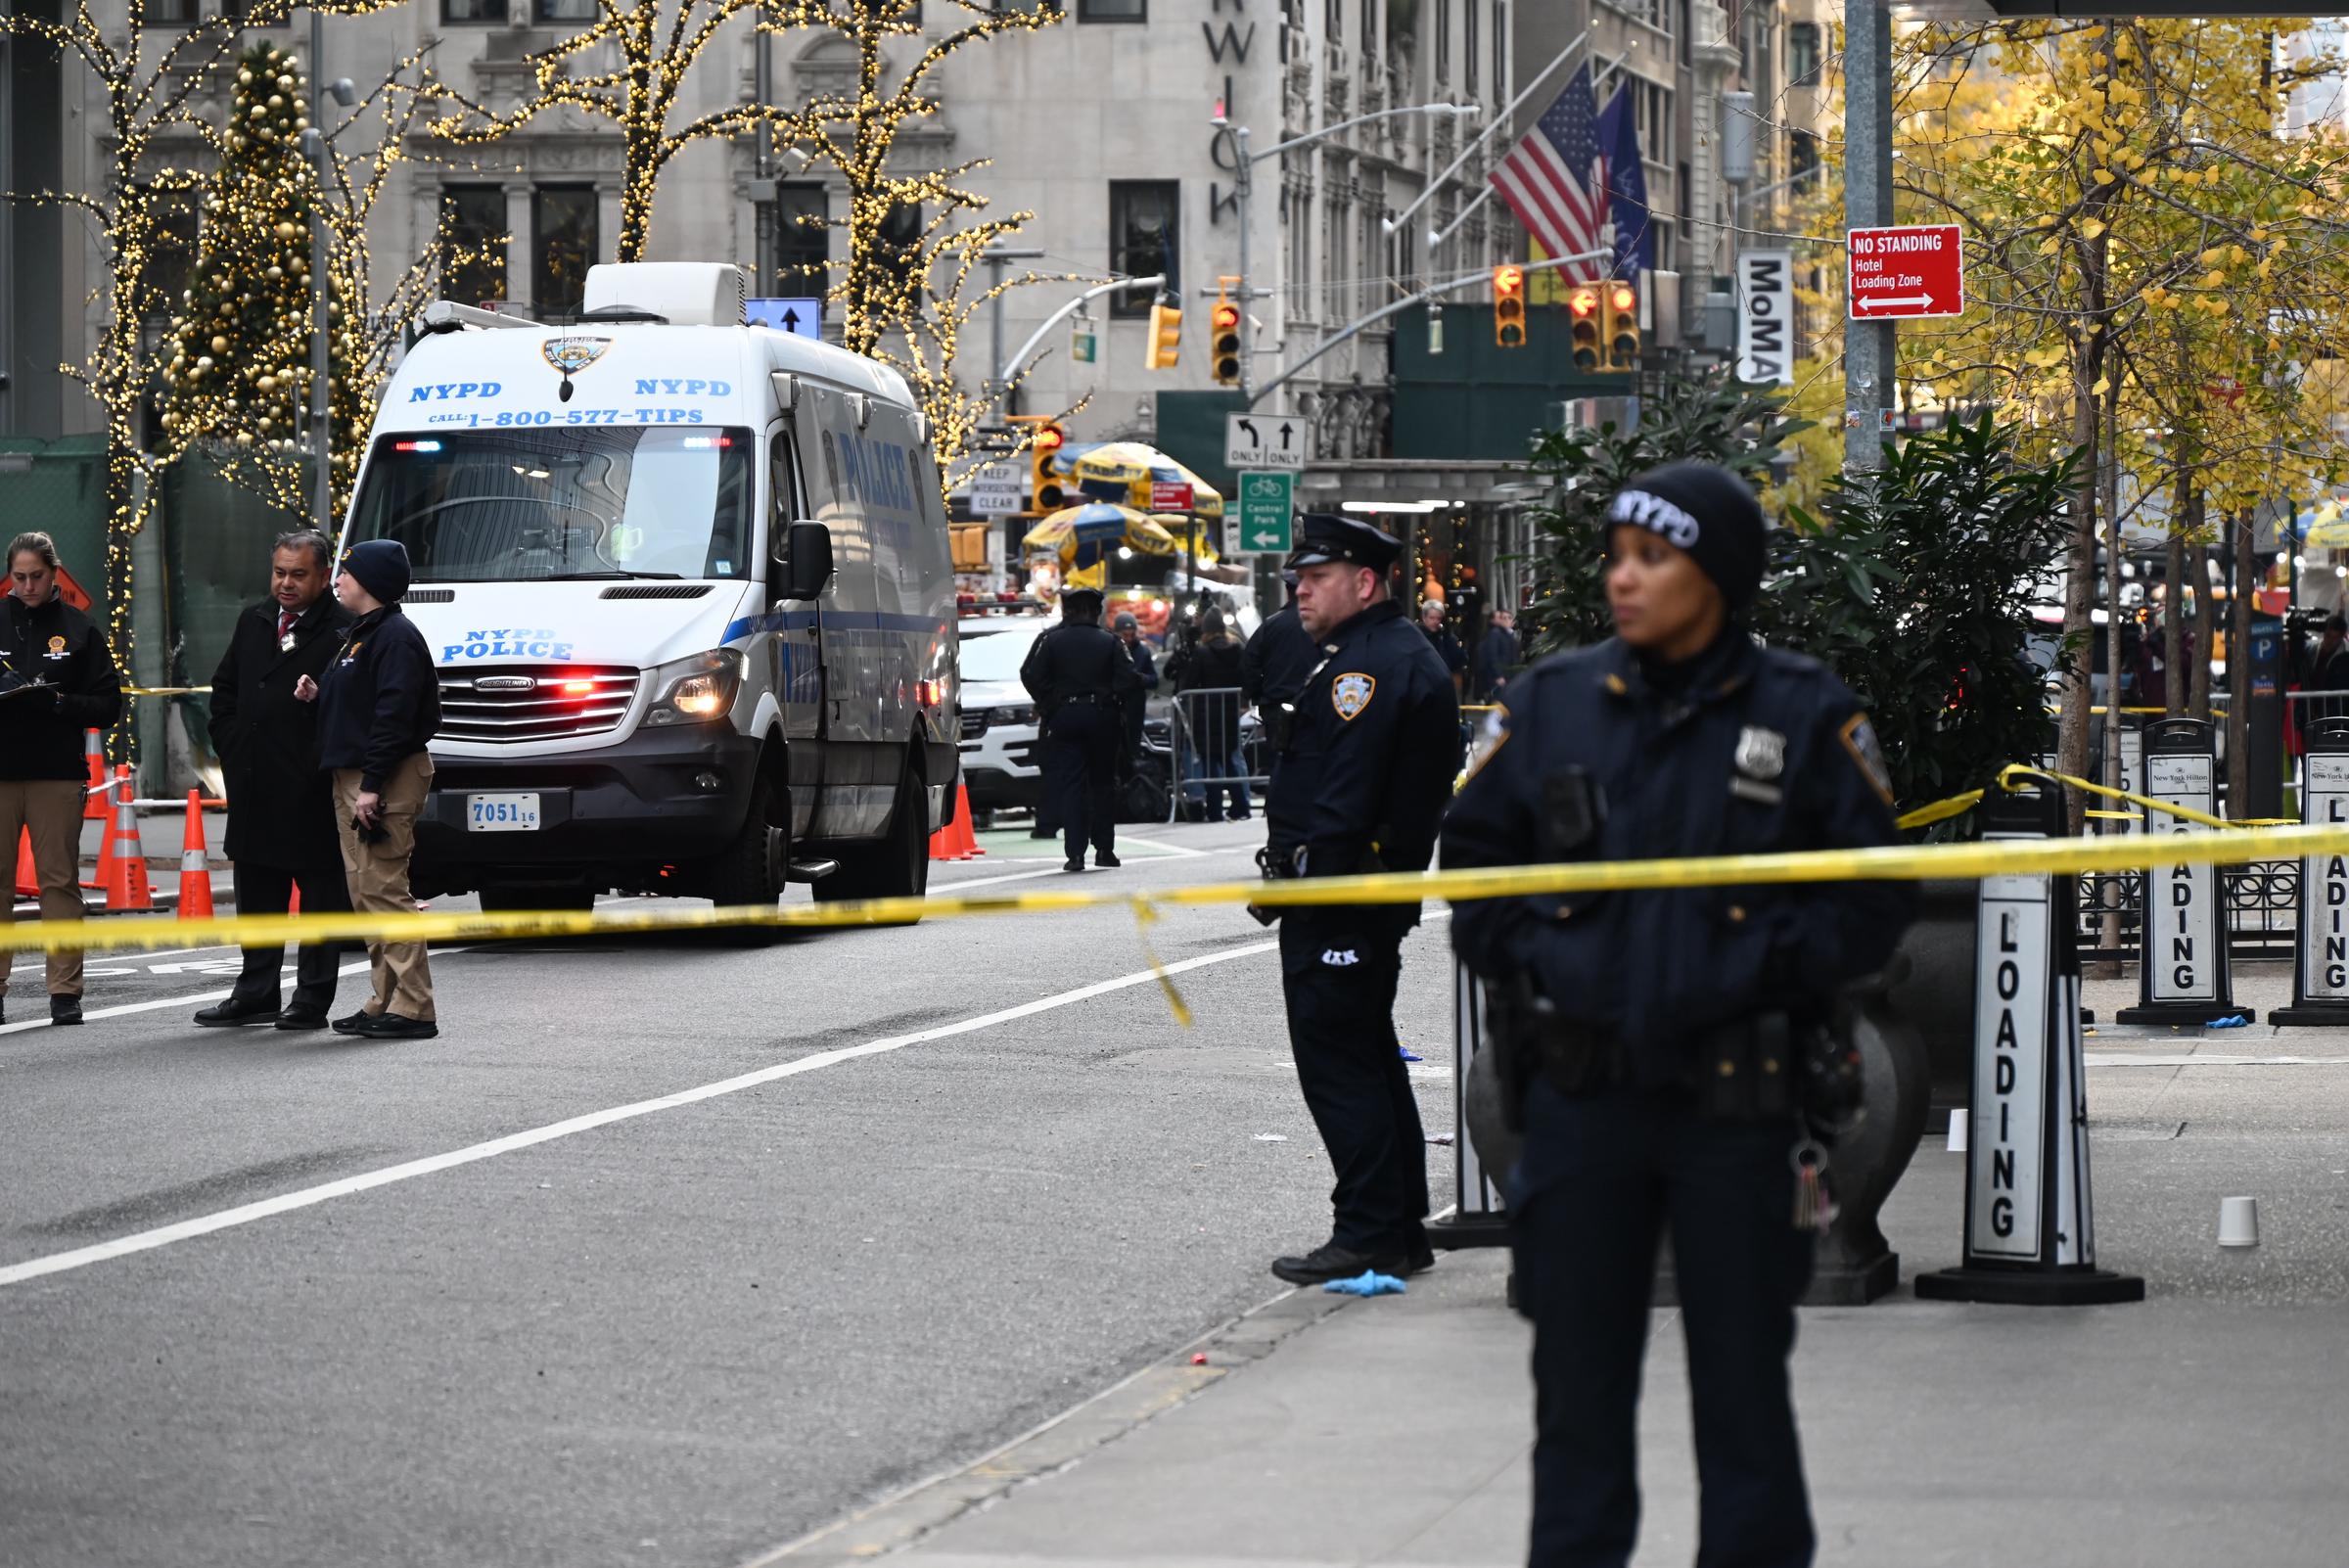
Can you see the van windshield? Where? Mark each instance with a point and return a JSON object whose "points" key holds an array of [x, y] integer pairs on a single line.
{"points": [[552, 505]]}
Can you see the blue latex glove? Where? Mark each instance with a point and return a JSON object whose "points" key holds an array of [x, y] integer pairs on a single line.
{"points": [[1407, 1056], [1369, 1282], [2239, 1021]]}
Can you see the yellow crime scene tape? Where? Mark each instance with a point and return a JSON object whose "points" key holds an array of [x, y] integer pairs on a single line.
{"points": [[1959, 805], [1891, 864]]}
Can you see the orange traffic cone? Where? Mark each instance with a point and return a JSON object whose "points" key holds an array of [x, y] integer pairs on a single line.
{"points": [[964, 835], [942, 845], [127, 886], [195, 877], [110, 847], [29, 881], [93, 761]]}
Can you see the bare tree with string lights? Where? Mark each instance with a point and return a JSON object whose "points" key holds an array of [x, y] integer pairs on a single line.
{"points": [[655, 45], [156, 81], [905, 297]]}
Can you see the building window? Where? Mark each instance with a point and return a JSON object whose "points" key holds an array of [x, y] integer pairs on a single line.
{"points": [[1333, 21], [564, 246], [473, 225], [170, 13], [1442, 40], [1468, 47], [1501, 85], [234, 11], [1371, 27], [1144, 238], [567, 10], [1113, 10], [799, 244], [473, 13], [1802, 156], [1801, 54]]}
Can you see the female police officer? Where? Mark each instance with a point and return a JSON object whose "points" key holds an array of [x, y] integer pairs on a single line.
{"points": [[1666, 1027]]}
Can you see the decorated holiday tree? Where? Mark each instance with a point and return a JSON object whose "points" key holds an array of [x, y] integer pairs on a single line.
{"points": [[238, 372]]}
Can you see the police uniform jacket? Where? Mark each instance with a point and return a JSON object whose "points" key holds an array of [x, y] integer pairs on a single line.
{"points": [[1372, 756], [1752, 751], [55, 645], [281, 806], [378, 702], [1274, 664], [1076, 661]]}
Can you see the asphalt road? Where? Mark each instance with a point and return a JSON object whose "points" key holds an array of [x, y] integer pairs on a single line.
{"points": [[976, 1174]]}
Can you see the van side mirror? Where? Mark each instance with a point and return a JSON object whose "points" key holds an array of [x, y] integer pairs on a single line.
{"points": [[806, 561]]}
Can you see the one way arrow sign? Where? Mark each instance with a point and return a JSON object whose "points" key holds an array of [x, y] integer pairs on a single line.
{"points": [[801, 318], [1265, 440]]}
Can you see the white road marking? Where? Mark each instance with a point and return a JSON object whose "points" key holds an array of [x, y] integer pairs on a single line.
{"points": [[307, 1197], [2207, 1059]]}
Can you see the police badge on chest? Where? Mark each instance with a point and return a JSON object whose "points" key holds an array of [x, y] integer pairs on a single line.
{"points": [[1761, 759]]}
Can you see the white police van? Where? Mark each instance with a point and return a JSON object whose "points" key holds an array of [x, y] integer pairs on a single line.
{"points": [[688, 588]]}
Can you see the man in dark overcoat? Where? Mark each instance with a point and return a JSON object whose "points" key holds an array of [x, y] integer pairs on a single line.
{"points": [[281, 809]]}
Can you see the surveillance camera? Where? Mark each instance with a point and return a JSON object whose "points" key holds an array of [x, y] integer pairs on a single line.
{"points": [[343, 92]]}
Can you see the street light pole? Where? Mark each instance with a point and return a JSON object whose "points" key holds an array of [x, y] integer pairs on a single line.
{"points": [[1243, 181], [322, 502], [1867, 346]]}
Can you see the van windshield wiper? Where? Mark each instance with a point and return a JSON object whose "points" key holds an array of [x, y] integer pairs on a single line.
{"points": [[592, 576]]}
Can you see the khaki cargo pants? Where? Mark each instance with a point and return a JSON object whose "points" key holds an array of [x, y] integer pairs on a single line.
{"points": [[51, 808], [378, 874]]}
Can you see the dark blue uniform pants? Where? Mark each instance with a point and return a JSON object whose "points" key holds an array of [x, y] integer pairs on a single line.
{"points": [[1602, 1176], [1339, 979], [1081, 762], [269, 889]]}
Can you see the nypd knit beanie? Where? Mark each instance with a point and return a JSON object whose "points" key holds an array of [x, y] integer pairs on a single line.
{"points": [[1707, 511]]}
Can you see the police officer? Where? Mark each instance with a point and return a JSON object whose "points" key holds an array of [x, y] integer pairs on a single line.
{"points": [[1082, 679], [1274, 665], [1660, 1031], [281, 806], [1367, 766], [56, 680]]}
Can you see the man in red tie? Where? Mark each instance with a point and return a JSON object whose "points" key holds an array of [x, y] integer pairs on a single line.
{"points": [[281, 809]]}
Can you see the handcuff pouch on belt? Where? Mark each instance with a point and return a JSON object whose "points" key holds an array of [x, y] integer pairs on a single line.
{"points": [[1528, 1035], [1776, 1066]]}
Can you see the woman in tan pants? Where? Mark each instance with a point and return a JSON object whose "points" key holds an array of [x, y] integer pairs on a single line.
{"points": [[57, 679]]}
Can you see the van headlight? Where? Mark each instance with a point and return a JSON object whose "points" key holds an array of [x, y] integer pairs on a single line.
{"points": [[695, 690]]}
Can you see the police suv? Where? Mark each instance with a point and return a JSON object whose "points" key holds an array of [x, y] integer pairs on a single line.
{"points": [[688, 588]]}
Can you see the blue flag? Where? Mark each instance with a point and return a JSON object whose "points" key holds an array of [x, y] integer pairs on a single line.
{"points": [[1626, 186]]}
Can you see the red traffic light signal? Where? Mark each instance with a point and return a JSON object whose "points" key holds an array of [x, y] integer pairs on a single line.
{"points": [[1581, 308], [1049, 439], [1622, 334], [1509, 307], [1224, 341]]}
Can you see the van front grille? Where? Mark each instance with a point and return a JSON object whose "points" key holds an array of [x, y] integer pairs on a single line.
{"points": [[514, 705]]}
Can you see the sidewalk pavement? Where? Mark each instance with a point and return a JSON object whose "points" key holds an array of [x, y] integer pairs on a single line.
{"points": [[2204, 1425]]}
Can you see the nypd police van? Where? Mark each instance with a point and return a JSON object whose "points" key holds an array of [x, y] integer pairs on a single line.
{"points": [[687, 585]]}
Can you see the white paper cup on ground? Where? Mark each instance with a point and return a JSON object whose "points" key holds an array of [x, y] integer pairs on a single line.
{"points": [[2239, 1222], [1961, 1123]]}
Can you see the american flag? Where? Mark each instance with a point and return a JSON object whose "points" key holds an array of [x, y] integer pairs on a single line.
{"points": [[1555, 179]]}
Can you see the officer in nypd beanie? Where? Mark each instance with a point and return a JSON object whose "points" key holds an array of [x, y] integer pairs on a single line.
{"points": [[1666, 1029]]}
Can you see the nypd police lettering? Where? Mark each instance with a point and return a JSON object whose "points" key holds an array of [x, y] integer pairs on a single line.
{"points": [[666, 387], [443, 392], [506, 642]]}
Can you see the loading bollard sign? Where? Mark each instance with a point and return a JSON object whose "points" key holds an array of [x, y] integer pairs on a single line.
{"points": [[2183, 973], [2030, 1226], [1905, 274], [2321, 958]]}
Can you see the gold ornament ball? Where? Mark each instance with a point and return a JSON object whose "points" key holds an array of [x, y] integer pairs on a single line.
{"points": [[287, 231], [219, 347], [243, 437], [276, 102], [243, 78], [267, 384]]}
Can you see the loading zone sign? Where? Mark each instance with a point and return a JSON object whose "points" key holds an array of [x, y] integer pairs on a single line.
{"points": [[2180, 935], [2325, 878], [1907, 273], [2011, 994]]}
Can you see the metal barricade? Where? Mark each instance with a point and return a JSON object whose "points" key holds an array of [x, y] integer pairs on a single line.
{"points": [[1219, 753]]}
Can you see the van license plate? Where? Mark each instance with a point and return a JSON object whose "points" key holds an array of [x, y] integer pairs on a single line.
{"points": [[501, 814]]}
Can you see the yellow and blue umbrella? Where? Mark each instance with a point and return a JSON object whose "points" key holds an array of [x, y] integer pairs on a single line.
{"points": [[1084, 537], [1122, 472]]}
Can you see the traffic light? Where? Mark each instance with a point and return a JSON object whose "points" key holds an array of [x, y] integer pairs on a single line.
{"points": [[1223, 339], [1048, 489], [1165, 334], [1581, 308], [1509, 307], [1622, 326]]}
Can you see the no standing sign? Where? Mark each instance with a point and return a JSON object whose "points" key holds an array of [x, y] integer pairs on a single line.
{"points": [[1905, 273]]}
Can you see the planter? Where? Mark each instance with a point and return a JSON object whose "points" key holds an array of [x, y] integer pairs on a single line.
{"points": [[1856, 1264], [1937, 993]]}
